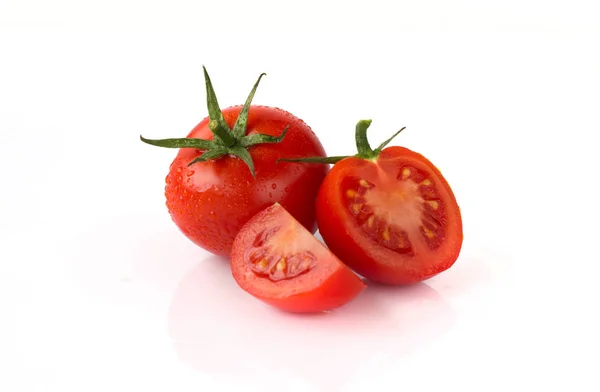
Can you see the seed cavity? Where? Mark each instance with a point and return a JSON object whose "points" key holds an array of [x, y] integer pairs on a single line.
{"points": [[275, 267], [401, 242]]}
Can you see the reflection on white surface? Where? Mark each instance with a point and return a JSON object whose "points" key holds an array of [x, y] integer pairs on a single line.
{"points": [[217, 328]]}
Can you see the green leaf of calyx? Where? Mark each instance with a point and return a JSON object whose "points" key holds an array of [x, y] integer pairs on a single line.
{"points": [[382, 145], [200, 144], [217, 124], [259, 138], [244, 155], [239, 128], [216, 152], [323, 160]]}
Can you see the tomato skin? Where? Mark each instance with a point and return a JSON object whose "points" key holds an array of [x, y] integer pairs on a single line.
{"points": [[345, 238], [210, 201], [328, 285]]}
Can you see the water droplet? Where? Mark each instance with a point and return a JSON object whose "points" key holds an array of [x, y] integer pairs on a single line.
{"points": [[270, 194], [287, 189], [274, 186], [190, 173], [179, 178], [178, 170]]}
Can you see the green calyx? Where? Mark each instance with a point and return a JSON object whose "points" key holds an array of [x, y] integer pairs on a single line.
{"points": [[362, 145], [227, 141]]}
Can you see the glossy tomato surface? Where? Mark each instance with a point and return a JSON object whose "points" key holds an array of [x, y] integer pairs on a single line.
{"points": [[210, 201], [393, 219], [278, 261]]}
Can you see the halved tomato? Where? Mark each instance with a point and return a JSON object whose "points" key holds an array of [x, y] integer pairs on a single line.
{"points": [[393, 220], [388, 213], [275, 259]]}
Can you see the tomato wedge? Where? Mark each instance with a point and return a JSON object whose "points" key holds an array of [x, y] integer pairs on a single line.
{"points": [[389, 214], [277, 260]]}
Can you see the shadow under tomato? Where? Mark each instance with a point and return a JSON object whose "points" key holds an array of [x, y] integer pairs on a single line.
{"points": [[216, 327]]}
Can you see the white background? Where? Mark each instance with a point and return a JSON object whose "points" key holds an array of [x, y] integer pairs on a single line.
{"points": [[100, 292]]}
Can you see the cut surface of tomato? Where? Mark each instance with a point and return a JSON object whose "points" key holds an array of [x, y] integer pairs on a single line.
{"points": [[393, 219], [277, 260]]}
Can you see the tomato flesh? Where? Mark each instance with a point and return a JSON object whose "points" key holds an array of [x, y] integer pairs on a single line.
{"points": [[393, 220], [277, 260]]}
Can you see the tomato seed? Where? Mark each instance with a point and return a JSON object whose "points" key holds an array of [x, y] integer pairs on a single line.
{"points": [[386, 234], [405, 173], [262, 264], [370, 221], [430, 234], [281, 264], [433, 203]]}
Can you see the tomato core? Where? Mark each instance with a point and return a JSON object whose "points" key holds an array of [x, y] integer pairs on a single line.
{"points": [[398, 211]]}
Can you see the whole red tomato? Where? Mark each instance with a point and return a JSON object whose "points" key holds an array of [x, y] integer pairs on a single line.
{"points": [[227, 170], [388, 213]]}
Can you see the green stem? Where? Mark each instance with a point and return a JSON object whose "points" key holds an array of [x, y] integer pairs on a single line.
{"points": [[362, 143]]}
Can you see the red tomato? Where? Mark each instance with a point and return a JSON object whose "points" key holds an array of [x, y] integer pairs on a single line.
{"points": [[393, 219], [275, 259], [227, 170], [210, 201]]}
